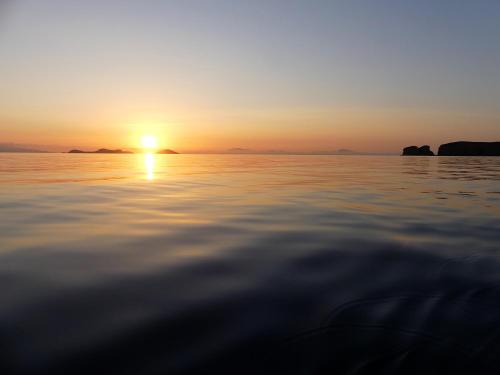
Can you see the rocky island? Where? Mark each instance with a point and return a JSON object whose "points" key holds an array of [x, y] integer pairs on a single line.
{"points": [[118, 151], [101, 151], [417, 151], [462, 148]]}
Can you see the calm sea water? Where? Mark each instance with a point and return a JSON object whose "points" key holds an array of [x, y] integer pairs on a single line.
{"points": [[152, 264]]}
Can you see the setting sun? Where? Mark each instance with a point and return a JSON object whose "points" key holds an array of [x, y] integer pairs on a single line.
{"points": [[149, 141]]}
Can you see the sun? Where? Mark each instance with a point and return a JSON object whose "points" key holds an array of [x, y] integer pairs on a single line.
{"points": [[149, 141]]}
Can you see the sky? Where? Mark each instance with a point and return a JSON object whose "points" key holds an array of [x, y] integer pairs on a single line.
{"points": [[292, 75]]}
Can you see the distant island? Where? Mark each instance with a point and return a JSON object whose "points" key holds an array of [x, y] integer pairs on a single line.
{"points": [[117, 151], [341, 151], [101, 151], [12, 147], [461, 148]]}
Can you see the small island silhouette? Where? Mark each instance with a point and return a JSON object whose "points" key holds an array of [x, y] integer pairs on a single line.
{"points": [[117, 151], [418, 151], [101, 151], [461, 148]]}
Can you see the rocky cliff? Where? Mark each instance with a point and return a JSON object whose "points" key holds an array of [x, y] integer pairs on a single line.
{"points": [[417, 151], [470, 149]]}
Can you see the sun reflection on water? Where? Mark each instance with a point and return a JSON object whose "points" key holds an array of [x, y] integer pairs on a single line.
{"points": [[149, 162]]}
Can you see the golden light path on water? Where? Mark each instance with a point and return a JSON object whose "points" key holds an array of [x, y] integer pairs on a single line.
{"points": [[149, 163], [149, 143]]}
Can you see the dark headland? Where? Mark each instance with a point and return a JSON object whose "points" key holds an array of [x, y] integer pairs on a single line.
{"points": [[461, 148], [470, 149]]}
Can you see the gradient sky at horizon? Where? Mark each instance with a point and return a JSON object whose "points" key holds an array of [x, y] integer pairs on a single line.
{"points": [[267, 75]]}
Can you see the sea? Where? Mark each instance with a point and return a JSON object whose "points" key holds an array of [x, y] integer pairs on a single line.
{"points": [[170, 264]]}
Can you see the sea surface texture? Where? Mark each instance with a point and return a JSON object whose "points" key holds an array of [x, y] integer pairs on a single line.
{"points": [[236, 264]]}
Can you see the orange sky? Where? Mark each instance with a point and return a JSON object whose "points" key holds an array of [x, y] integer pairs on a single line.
{"points": [[291, 129]]}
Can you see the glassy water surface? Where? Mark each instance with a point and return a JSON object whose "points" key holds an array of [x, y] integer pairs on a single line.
{"points": [[184, 263]]}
